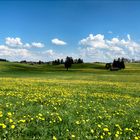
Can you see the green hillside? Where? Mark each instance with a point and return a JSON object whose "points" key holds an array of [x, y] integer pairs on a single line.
{"points": [[18, 69]]}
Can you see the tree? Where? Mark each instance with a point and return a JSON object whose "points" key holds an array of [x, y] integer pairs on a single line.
{"points": [[68, 62], [79, 61], [108, 66], [62, 61], [122, 63]]}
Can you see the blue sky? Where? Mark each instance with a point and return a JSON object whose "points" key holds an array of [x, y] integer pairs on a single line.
{"points": [[93, 30]]}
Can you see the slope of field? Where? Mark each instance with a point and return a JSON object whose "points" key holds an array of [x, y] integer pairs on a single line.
{"points": [[87, 102]]}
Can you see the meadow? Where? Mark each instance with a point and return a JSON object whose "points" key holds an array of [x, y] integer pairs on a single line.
{"points": [[44, 102]]}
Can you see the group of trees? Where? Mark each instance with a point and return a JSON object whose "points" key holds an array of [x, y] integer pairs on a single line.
{"points": [[116, 65], [32, 62], [4, 60], [58, 61]]}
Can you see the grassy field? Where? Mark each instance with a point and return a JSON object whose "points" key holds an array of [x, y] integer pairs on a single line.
{"points": [[45, 102]]}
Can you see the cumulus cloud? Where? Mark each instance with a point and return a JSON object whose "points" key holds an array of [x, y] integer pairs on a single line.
{"points": [[98, 48], [14, 54], [97, 41], [16, 42], [37, 45], [13, 41], [15, 49], [18, 54], [58, 42]]}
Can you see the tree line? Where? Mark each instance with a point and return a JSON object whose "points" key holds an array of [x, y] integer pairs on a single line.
{"points": [[68, 59]]}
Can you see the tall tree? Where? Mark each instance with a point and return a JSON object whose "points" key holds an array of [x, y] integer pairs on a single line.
{"points": [[68, 62]]}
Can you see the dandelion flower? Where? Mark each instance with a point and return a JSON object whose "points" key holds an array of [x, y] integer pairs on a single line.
{"points": [[106, 129], [54, 138], [12, 126], [73, 136]]}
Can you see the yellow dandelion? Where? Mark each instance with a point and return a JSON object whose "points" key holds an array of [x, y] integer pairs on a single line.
{"points": [[10, 120], [54, 138], [101, 136], [3, 125], [92, 131], [77, 122], [1, 114], [73, 136], [126, 129], [9, 114], [109, 133], [40, 115], [136, 138], [116, 135], [99, 125], [106, 129], [13, 126]]}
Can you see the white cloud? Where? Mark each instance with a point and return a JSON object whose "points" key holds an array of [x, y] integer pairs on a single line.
{"points": [[97, 41], [37, 45], [58, 42], [49, 52], [128, 36], [15, 49], [13, 41], [27, 45], [98, 48], [16, 42], [14, 54], [110, 32]]}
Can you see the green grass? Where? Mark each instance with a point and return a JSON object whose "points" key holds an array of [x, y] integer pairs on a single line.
{"points": [[87, 102]]}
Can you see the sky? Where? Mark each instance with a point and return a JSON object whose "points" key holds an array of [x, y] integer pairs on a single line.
{"points": [[94, 30]]}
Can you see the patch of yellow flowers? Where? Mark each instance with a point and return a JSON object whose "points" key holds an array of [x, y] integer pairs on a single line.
{"points": [[39, 103]]}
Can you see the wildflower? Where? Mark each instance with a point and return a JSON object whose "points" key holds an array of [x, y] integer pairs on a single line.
{"points": [[9, 114], [22, 121], [92, 131], [126, 129], [43, 119], [3, 125], [99, 125], [136, 138], [32, 119], [54, 138], [116, 135], [73, 136], [106, 129], [1, 114], [77, 122], [13, 126], [101, 137], [40, 115], [10, 120], [109, 133]]}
